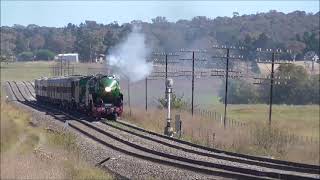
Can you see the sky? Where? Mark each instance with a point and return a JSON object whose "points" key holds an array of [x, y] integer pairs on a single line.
{"points": [[60, 13]]}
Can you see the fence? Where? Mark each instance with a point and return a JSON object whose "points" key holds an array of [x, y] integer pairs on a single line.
{"points": [[216, 116]]}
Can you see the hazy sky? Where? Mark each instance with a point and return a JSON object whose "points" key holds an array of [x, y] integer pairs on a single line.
{"points": [[60, 13]]}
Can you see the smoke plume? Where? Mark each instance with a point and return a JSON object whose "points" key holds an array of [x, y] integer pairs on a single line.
{"points": [[129, 57]]}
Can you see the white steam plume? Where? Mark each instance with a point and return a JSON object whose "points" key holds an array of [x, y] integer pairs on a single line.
{"points": [[129, 57]]}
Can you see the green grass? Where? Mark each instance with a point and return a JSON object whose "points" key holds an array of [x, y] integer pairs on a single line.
{"points": [[208, 100], [303, 120], [24, 71], [32, 70]]}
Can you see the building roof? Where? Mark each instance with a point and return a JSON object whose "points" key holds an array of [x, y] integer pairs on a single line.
{"points": [[69, 54]]}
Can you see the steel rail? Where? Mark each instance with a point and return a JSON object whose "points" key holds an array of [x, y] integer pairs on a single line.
{"points": [[31, 84], [216, 156], [307, 167], [198, 162], [29, 89], [230, 174]]}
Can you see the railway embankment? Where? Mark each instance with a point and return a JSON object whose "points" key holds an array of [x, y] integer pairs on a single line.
{"points": [[33, 147]]}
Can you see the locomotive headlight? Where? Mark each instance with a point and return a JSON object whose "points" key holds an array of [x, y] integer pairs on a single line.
{"points": [[107, 89]]}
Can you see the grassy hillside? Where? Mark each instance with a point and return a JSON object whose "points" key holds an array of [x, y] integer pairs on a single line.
{"points": [[29, 152]]}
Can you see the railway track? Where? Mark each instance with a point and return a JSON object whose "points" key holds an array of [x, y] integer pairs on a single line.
{"points": [[275, 169], [158, 138], [219, 154], [255, 160]]}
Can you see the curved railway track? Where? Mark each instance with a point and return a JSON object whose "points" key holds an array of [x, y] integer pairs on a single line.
{"points": [[254, 160], [216, 155], [219, 154], [292, 170]]}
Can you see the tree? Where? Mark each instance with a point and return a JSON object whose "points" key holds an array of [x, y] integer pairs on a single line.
{"points": [[25, 56], [240, 92], [44, 54], [89, 43], [8, 38], [311, 41], [293, 90], [263, 41], [159, 20], [37, 42], [235, 14], [22, 44], [297, 48], [109, 40], [269, 30]]}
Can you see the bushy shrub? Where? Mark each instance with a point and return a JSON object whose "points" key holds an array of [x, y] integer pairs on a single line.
{"points": [[44, 54], [177, 102], [240, 92], [25, 56]]}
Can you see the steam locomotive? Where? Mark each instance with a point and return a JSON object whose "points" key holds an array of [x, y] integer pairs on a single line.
{"points": [[97, 95]]}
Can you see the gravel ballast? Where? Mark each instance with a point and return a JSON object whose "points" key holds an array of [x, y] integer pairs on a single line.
{"points": [[121, 165]]}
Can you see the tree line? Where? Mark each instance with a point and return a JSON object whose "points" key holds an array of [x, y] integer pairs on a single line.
{"points": [[297, 30], [299, 87]]}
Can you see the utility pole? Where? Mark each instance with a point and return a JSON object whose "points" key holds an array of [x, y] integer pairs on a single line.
{"points": [[166, 67], [146, 93], [227, 57], [193, 59], [166, 61], [272, 78], [226, 90], [271, 88], [192, 93], [60, 66], [68, 67]]}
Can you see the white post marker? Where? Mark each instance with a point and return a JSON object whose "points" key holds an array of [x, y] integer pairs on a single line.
{"points": [[168, 130]]}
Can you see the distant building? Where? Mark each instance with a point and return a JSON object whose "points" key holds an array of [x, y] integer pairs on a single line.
{"points": [[71, 57]]}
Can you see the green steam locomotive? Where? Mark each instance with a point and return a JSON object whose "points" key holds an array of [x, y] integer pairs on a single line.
{"points": [[97, 95]]}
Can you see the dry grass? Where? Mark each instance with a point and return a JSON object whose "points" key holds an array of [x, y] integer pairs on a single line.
{"points": [[256, 139], [29, 152], [303, 120]]}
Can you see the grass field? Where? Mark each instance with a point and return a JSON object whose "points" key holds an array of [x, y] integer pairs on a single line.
{"points": [[299, 119], [33, 70]]}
